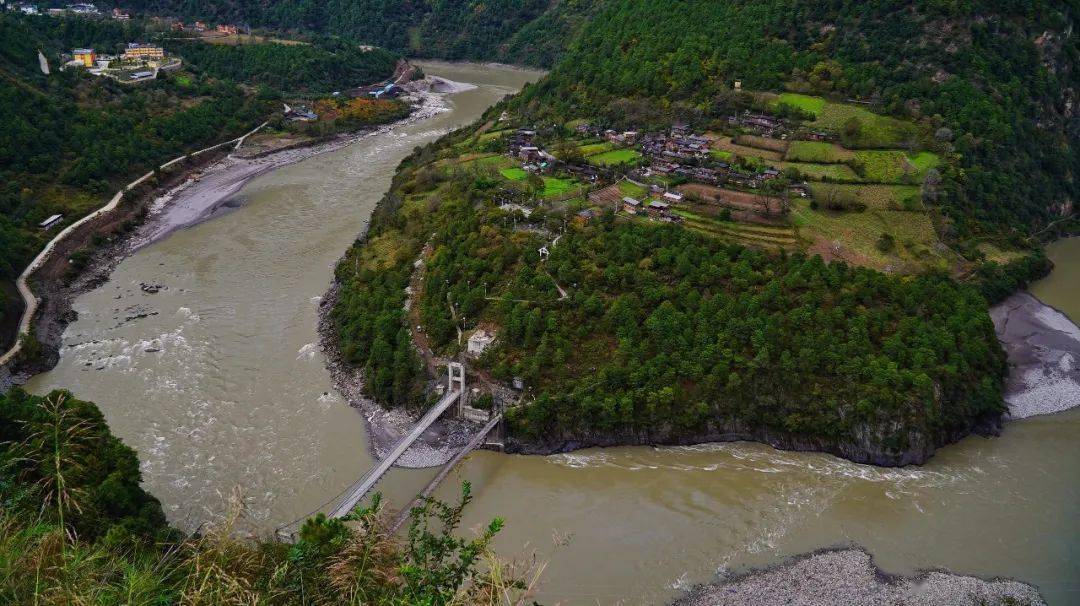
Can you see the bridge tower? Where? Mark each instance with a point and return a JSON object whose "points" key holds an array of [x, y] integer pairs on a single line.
{"points": [[456, 380]]}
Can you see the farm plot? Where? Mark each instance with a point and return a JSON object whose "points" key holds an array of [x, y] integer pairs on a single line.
{"points": [[766, 143], [514, 174], [592, 149], [554, 187], [892, 166], [629, 188], [818, 152], [761, 236], [875, 131], [883, 197], [854, 237], [806, 103], [722, 143], [839, 173], [738, 200], [614, 157]]}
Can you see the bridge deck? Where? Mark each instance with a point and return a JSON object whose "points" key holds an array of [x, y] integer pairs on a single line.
{"points": [[357, 491], [473, 444]]}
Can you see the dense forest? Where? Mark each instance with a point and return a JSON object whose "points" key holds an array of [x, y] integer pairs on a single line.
{"points": [[325, 65], [997, 79], [76, 527], [529, 32], [663, 334]]}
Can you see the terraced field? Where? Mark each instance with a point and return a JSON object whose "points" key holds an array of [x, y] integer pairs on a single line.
{"points": [[724, 144], [818, 152], [840, 173], [854, 237], [761, 236], [884, 197], [765, 143]]}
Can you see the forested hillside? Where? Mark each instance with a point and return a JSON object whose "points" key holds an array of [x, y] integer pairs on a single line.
{"points": [[70, 139], [997, 80], [323, 66], [529, 32]]}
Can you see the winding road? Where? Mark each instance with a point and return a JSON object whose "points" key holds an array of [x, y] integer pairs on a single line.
{"points": [[30, 301]]}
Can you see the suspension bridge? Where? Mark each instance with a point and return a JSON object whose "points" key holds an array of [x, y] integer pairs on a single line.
{"points": [[349, 498]]}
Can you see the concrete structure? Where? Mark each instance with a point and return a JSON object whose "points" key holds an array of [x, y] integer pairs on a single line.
{"points": [[479, 341], [86, 56], [143, 52], [51, 222]]}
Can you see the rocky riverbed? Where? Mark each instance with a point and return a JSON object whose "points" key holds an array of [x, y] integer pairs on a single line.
{"points": [[850, 577], [1043, 346]]}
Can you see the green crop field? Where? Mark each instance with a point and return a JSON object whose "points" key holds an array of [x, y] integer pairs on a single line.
{"points": [[924, 161], [875, 131], [615, 157], [818, 152], [595, 148], [555, 187], [888, 166], [884, 197], [721, 154], [514, 174], [806, 103], [857, 234], [633, 190], [818, 172]]}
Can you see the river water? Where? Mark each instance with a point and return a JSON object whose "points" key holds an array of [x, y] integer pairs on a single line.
{"points": [[223, 386]]}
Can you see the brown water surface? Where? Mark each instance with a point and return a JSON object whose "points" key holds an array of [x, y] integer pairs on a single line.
{"points": [[238, 396]]}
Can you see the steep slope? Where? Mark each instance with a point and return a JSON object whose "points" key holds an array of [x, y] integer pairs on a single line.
{"points": [[635, 330], [529, 32], [996, 79]]}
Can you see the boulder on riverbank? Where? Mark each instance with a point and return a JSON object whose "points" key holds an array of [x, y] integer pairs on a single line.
{"points": [[1043, 346], [850, 577]]}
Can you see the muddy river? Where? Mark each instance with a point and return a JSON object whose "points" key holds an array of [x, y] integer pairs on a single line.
{"points": [[217, 381]]}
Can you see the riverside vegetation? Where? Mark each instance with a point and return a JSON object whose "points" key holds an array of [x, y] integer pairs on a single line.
{"points": [[668, 334], [72, 139], [76, 528]]}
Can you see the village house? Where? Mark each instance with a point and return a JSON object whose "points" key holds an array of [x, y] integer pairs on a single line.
{"points": [[86, 56], [178, 26], [120, 14], [228, 30], [631, 205], [143, 52], [584, 217], [300, 113], [51, 222], [83, 8], [200, 26], [479, 341], [658, 209]]}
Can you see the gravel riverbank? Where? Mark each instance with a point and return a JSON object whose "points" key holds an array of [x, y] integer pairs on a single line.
{"points": [[1043, 346], [204, 190], [850, 577]]}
